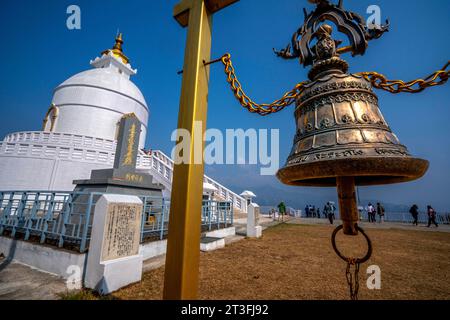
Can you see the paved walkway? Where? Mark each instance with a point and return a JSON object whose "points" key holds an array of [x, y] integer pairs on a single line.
{"points": [[264, 221], [375, 225], [20, 282]]}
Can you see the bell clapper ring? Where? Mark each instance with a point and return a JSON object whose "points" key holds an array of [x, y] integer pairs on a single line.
{"points": [[357, 260], [352, 279]]}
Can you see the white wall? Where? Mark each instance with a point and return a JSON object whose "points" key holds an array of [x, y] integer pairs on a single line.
{"points": [[45, 258], [55, 260], [18, 173], [95, 112]]}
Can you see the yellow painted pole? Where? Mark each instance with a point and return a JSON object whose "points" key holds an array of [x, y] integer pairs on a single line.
{"points": [[183, 246]]}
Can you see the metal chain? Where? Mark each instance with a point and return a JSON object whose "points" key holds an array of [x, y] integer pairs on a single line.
{"points": [[397, 86], [261, 109], [377, 80], [353, 279]]}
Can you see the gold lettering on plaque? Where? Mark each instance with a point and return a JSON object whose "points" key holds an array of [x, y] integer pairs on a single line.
{"points": [[128, 161], [134, 177], [257, 213]]}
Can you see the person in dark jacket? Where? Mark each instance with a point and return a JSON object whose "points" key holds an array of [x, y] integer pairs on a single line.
{"points": [[415, 213], [431, 216], [328, 211], [380, 211], [282, 210]]}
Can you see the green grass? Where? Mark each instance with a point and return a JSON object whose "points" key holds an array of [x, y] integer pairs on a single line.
{"points": [[84, 294]]}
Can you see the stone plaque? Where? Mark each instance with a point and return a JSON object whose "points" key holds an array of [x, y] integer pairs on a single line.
{"points": [[257, 212], [127, 142], [122, 231]]}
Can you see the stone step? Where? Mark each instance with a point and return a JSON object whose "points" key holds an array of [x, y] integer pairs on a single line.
{"points": [[211, 243], [154, 263]]}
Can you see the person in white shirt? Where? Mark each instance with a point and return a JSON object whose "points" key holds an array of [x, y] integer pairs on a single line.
{"points": [[371, 212]]}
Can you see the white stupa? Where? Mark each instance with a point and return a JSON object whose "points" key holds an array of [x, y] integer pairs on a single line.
{"points": [[92, 102], [80, 130]]}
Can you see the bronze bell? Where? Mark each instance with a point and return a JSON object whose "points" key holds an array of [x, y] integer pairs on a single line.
{"points": [[342, 138]]}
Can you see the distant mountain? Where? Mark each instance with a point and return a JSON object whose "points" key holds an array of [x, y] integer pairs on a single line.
{"points": [[298, 198], [295, 197]]}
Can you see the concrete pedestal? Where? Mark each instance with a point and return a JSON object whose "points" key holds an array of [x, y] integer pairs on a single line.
{"points": [[113, 258], [254, 230], [119, 182], [211, 243]]}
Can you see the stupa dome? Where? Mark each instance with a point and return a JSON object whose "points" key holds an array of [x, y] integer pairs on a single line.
{"points": [[92, 102]]}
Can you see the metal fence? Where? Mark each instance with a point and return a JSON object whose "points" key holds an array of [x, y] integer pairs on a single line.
{"points": [[403, 217], [406, 217], [65, 219], [289, 211], [216, 215], [155, 220]]}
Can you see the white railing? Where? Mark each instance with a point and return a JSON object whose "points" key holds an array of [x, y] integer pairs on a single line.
{"points": [[27, 150], [158, 169], [163, 157], [64, 139], [38, 144], [164, 166]]}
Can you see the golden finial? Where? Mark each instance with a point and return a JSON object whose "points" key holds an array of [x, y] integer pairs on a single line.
{"points": [[119, 41], [117, 50]]}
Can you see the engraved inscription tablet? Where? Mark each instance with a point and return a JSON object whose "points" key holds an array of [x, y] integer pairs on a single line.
{"points": [[257, 212], [122, 231]]}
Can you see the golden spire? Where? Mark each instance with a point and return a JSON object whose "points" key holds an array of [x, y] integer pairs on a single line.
{"points": [[117, 50]]}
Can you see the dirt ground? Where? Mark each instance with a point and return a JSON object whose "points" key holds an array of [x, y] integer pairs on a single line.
{"points": [[297, 262]]}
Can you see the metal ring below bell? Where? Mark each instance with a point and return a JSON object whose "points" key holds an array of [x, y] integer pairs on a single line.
{"points": [[358, 260]]}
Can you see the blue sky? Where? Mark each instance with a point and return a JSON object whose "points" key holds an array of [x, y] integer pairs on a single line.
{"points": [[39, 52]]}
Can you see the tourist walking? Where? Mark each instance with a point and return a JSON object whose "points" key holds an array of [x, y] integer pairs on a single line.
{"points": [[371, 212], [431, 216], [307, 211], [328, 211], [272, 213], [380, 211], [281, 210], [414, 210]]}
